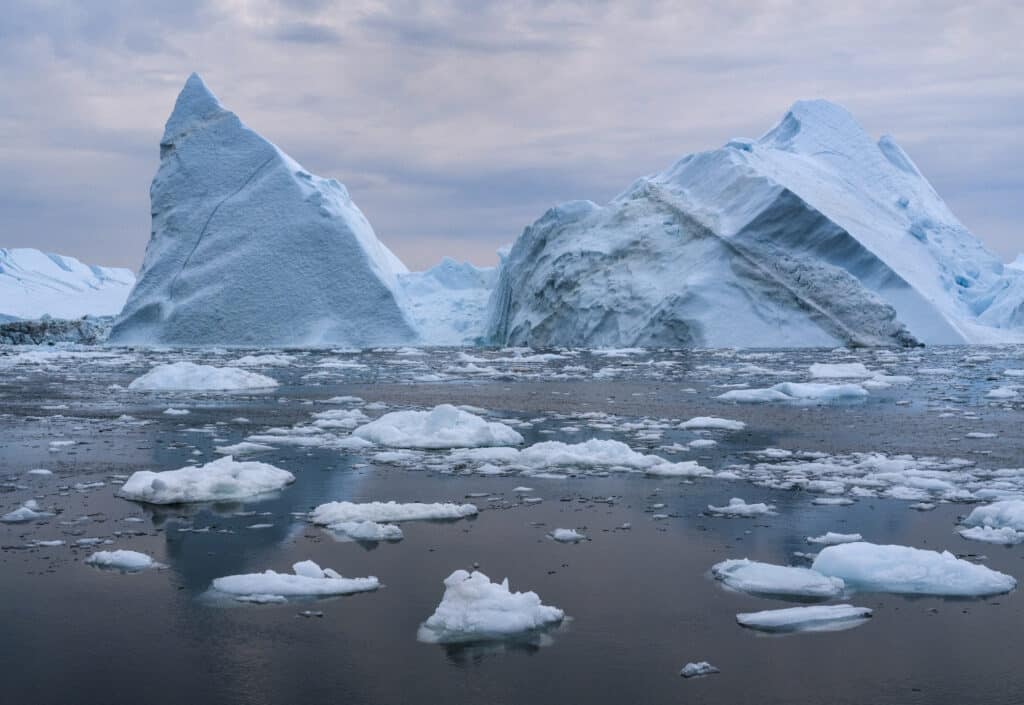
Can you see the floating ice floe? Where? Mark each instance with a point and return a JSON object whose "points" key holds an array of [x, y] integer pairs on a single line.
{"points": [[176, 412], [367, 531], [224, 479], [813, 618], [29, 511], [833, 539], [340, 513], [188, 376], [698, 668], [739, 508], [309, 580], [905, 570], [123, 560], [776, 580], [444, 426], [595, 453], [797, 391], [475, 609], [1002, 393], [243, 448], [915, 479], [712, 423], [840, 370], [567, 536], [39, 471], [999, 522]]}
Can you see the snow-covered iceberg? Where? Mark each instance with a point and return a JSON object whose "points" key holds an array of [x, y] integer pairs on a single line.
{"points": [[249, 248], [475, 609], [906, 570], [222, 480], [34, 284], [812, 235]]}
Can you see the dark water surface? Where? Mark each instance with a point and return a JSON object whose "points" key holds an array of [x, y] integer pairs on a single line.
{"points": [[640, 601]]}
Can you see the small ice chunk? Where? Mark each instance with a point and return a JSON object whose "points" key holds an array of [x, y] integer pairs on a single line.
{"points": [[40, 471], [999, 522], [567, 536], [475, 609], [712, 423], [221, 480], [123, 560], [776, 580], [739, 508], [699, 668], [24, 514], [832, 539], [797, 391], [814, 618], [907, 570], [176, 412]]}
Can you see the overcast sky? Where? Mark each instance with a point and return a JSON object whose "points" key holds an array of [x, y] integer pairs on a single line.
{"points": [[456, 124]]}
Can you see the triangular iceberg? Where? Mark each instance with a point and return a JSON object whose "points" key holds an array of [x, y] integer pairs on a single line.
{"points": [[813, 235], [249, 248]]}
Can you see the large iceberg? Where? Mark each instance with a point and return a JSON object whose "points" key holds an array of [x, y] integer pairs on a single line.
{"points": [[249, 248], [34, 284], [812, 235]]}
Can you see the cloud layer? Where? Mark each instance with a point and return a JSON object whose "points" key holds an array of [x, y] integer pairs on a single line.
{"points": [[455, 124]]}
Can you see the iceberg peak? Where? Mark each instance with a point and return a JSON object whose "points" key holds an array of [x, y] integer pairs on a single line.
{"points": [[812, 126], [195, 103]]}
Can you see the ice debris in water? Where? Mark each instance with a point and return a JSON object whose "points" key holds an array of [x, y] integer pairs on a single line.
{"points": [[712, 423], [220, 480], [567, 536], [123, 560], [797, 391], [308, 580], [367, 531], [999, 522], [813, 618], [739, 508], [331, 514], [29, 511], [698, 668], [595, 453], [776, 580], [906, 570], [444, 426], [831, 538], [188, 376], [475, 609]]}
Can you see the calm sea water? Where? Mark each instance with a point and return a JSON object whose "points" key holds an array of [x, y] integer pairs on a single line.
{"points": [[640, 601]]}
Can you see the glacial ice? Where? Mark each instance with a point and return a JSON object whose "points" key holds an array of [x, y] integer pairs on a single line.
{"points": [[813, 618], [712, 423], [905, 570], [444, 426], [221, 480], [34, 284], [739, 508], [475, 609], [249, 248], [776, 580], [813, 235], [697, 668], [188, 376]]}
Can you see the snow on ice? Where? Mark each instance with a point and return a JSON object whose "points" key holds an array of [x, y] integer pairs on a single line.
{"points": [[221, 480]]}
